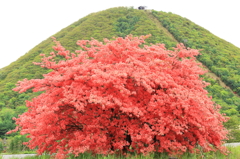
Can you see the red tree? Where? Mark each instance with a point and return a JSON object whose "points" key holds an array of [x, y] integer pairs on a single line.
{"points": [[120, 95]]}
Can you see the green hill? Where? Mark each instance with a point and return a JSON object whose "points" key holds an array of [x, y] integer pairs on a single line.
{"points": [[221, 58]]}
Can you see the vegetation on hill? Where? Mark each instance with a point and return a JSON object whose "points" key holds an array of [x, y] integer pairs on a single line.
{"points": [[219, 56]]}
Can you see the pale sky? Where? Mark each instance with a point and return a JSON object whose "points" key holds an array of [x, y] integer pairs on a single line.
{"points": [[26, 23]]}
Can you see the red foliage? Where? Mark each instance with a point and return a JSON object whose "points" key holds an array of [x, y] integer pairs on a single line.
{"points": [[121, 95]]}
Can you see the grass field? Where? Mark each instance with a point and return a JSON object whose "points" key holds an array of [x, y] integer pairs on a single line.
{"points": [[234, 153]]}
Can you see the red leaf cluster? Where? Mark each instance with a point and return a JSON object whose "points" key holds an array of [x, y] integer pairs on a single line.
{"points": [[121, 95]]}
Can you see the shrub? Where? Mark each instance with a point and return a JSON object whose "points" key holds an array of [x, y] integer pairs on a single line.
{"points": [[121, 96]]}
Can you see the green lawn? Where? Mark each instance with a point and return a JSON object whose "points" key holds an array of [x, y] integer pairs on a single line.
{"points": [[234, 153]]}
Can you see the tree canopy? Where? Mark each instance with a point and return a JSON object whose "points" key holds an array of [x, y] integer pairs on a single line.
{"points": [[121, 95]]}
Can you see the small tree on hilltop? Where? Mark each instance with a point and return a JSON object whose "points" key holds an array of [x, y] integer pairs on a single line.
{"points": [[121, 96]]}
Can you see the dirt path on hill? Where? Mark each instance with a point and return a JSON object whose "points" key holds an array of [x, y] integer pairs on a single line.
{"points": [[218, 79], [159, 25], [209, 73]]}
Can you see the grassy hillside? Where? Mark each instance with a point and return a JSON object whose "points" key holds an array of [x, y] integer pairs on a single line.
{"points": [[219, 56]]}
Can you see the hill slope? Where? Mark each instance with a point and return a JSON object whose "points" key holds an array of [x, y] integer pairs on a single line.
{"points": [[219, 56]]}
